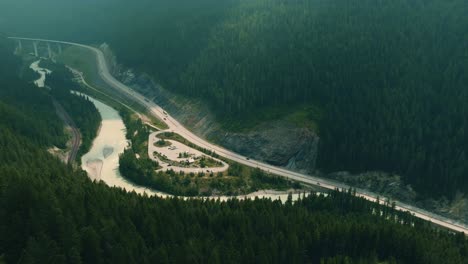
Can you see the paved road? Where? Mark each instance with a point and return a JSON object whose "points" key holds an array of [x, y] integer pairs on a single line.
{"points": [[176, 127]]}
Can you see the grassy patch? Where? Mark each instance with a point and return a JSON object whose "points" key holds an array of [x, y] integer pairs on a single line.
{"points": [[307, 116], [247, 179], [207, 162], [162, 143], [84, 60], [237, 180]]}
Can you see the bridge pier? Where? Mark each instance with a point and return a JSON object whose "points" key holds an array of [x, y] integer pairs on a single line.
{"points": [[20, 46], [59, 48], [49, 49], [36, 52]]}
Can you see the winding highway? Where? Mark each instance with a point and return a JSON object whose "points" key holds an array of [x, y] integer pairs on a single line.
{"points": [[176, 127]]}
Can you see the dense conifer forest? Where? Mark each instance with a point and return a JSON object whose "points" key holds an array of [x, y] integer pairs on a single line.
{"points": [[21, 98], [52, 213], [389, 78], [81, 110], [137, 167]]}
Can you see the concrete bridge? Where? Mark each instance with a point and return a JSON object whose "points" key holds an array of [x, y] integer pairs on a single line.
{"points": [[175, 126], [37, 47]]}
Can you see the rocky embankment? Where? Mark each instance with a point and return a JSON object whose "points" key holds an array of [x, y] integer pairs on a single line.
{"points": [[278, 142], [391, 185]]}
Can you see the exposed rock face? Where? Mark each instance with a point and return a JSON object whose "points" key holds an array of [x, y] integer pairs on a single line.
{"points": [[279, 143], [111, 59], [387, 184]]}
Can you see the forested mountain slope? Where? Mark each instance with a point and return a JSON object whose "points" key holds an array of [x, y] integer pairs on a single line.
{"points": [[390, 78], [51, 213], [23, 108], [81, 110]]}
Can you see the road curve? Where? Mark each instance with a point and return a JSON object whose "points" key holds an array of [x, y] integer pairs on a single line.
{"points": [[176, 127]]}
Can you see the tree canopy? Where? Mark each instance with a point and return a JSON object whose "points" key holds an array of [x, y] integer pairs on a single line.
{"points": [[389, 77], [51, 212]]}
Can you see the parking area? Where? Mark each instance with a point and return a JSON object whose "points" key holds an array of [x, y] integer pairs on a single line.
{"points": [[175, 152]]}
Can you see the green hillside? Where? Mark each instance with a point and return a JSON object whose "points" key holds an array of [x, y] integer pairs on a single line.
{"points": [[51, 213], [389, 78]]}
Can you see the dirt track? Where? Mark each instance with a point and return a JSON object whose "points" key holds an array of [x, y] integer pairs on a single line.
{"points": [[76, 136]]}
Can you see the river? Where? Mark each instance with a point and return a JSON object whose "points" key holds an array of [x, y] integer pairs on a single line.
{"points": [[43, 72], [102, 161]]}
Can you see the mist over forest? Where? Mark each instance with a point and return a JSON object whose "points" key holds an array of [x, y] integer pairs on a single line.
{"points": [[389, 78], [382, 86]]}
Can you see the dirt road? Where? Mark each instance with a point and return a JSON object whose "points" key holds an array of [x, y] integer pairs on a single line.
{"points": [[76, 136]]}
